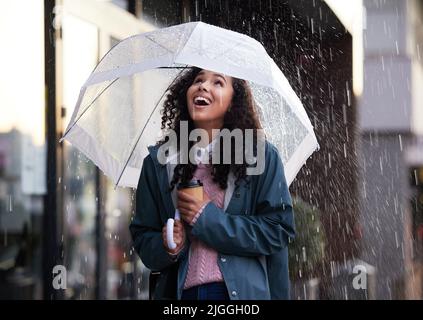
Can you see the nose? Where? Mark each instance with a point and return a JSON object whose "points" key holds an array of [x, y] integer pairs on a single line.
{"points": [[203, 87]]}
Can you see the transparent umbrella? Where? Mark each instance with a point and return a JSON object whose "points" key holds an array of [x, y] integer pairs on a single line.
{"points": [[117, 114]]}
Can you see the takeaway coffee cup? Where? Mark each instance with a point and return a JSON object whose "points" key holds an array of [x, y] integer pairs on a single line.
{"points": [[194, 188]]}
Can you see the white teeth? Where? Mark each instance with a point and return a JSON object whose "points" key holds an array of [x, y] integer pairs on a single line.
{"points": [[196, 99]]}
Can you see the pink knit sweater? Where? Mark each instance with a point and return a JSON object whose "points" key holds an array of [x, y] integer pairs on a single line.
{"points": [[203, 267]]}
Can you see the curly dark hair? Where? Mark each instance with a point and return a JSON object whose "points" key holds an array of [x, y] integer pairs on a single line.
{"points": [[242, 115]]}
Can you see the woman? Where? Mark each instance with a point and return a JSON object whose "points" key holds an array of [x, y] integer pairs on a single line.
{"points": [[233, 243]]}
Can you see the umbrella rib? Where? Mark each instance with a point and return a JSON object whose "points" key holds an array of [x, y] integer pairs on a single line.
{"points": [[142, 131], [159, 45], [74, 123]]}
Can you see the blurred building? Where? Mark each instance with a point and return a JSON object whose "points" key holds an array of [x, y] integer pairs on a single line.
{"points": [[56, 208], [390, 122]]}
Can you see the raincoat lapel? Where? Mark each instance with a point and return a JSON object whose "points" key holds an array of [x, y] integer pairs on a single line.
{"points": [[229, 190], [162, 178]]}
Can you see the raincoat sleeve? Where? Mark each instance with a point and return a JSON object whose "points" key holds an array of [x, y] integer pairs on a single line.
{"points": [[146, 226], [266, 230]]}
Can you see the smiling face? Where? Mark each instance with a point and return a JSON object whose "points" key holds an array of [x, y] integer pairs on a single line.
{"points": [[209, 97]]}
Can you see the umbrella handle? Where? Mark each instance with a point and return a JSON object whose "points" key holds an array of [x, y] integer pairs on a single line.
{"points": [[169, 230]]}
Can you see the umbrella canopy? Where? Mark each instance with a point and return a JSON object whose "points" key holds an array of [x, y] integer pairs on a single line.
{"points": [[117, 114]]}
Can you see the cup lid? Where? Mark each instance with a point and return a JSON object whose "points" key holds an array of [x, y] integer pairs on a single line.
{"points": [[190, 184]]}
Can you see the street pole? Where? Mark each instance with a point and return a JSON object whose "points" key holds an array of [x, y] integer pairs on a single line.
{"points": [[50, 245]]}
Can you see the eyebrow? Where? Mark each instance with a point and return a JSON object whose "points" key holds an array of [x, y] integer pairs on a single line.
{"points": [[215, 74]]}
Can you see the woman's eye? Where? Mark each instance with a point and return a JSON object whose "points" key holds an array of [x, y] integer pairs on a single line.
{"points": [[219, 83], [198, 80]]}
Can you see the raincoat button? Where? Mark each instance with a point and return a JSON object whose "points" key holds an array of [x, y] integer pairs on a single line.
{"points": [[223, 259], [234, 293]]}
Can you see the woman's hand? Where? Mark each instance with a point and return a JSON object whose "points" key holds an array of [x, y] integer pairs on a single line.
{"points": [[189, 205], [178, 237]]}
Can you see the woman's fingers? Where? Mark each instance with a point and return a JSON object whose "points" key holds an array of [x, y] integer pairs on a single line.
{"points": [[179, 230], [186, 197], [178, 225], [186, 208], [187, 201], [185, 213], [178, 235], [189, 205], [184, 205], [177, 239]]}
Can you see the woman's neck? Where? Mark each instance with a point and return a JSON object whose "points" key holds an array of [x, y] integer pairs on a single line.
{"points": [[212, 130]]}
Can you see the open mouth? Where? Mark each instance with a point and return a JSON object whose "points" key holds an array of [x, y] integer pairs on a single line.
{"points": [[201, 101]]}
